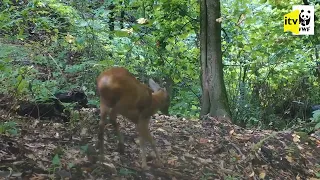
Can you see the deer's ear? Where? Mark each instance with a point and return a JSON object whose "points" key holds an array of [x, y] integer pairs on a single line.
{"points": [[153, 85]]}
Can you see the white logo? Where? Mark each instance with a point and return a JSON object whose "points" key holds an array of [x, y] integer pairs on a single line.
{"points": [[306, 19]]}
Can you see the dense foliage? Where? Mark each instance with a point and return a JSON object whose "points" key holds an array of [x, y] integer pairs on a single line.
{"points": [[49, 46]]}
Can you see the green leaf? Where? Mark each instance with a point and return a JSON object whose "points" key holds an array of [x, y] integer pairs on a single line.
{"points": [[84, 148], [22, 85], [176, 80], [2, 129], [316, 114], [56, 160], [11, 124], [317, 126], [136, 27], [13, 131], [70, 165], [83, 24], [121, 33], [80, 40]]}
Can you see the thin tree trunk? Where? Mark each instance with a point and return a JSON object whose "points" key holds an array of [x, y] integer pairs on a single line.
{"points": [[205, 103]]}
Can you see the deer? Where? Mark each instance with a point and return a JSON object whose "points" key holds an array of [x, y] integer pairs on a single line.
{"points": [[121, 93]]}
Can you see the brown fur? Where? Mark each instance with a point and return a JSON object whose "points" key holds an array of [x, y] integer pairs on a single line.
{"points": [[121, 93]]}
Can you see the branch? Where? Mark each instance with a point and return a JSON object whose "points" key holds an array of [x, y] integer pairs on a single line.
{"points": [[57, 66]]}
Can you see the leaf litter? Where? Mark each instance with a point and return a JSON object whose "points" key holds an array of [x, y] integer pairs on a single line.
{"points": [[209, 148]]}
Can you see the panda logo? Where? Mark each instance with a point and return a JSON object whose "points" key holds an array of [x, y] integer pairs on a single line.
{"points": [[305, 17]]}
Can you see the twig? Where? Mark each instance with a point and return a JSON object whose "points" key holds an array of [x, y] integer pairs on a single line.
{"points": [[11, 171], [254, 177], [259, 144], [238, 149], [57, 66], [11, 108]]}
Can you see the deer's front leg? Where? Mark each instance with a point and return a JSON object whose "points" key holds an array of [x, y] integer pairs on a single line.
{"points": [[144, 135]]}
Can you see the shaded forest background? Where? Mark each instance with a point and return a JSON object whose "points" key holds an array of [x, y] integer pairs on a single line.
{"points": [[272, 78]]}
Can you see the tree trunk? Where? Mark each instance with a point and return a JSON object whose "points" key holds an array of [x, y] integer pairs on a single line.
{"points": [[111, 19], [214, 95], [205, 103]]}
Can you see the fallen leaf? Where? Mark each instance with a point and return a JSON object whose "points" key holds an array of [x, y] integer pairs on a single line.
{"points": [[249, 131], [168, 148], [183, 158], [36, 122], [296, 138], [191, 139], [57, 125], [57, 135], [173, 161], [188, 155], [242, 138], [271, 147], [205, 161], [167, 143], [162, 130], [203, 140], [298, 177], [300, 147], [196, 162], [238, 157], [289, 159], [111, 167], [252, 174], [231, 132], [262, 175], [83, 131]]}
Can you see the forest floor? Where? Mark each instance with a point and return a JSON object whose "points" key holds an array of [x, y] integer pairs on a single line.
{"points": [[190, 149]]}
